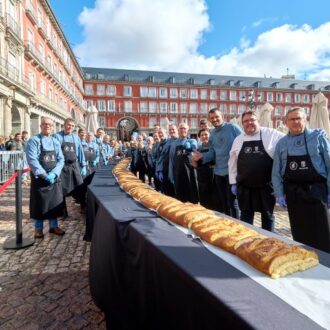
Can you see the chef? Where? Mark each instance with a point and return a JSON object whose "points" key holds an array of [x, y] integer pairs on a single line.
{"points": [[205, 173], [301, 180], [162, 165], [220, 143], [46, 160], [74, 160], [250, 167], [180, 171]]}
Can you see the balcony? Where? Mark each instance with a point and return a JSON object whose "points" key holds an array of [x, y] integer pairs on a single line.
{"points": [[32, 53], [13, 30], [42, 28], [30, 12], [50, 105], [12, 77]]}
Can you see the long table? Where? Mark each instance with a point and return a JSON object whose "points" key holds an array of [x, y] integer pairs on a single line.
{"points": [[145, 274]]}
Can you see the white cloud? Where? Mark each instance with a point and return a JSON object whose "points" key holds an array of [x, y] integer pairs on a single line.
{"points": [[165, 35], [142, 33]]}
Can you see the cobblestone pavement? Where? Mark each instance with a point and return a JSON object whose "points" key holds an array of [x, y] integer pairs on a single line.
{"points": [[46, 286]]}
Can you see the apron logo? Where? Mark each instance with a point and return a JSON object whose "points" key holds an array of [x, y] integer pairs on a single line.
{"points": [[256, 149], [298, 143], [46, 158], [68, 148], [247, 150], [293, 166], [303, 164]]}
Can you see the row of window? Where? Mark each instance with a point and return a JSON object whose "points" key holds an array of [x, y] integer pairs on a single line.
{"points": [[194, 93], [173, 107]]}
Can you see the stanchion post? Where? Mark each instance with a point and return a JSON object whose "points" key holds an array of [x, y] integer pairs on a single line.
{"points": [[18, 202], [19, 242]]}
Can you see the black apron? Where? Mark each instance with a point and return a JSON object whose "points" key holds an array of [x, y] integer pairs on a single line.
{"points": [[185, 183], [254, 171], [206, 182], [90, 157], [46, 200], [306, 195], [133, 161], [70, 175]]}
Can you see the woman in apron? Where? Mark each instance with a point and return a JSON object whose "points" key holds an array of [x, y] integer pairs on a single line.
{"points": [[205, 174]]}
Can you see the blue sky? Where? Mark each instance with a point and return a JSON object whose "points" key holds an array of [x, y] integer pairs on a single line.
{"points": [[259, 38]]}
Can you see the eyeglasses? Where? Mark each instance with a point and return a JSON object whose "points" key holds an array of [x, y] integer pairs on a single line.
{"points": [[295, 119], [247, 121]]}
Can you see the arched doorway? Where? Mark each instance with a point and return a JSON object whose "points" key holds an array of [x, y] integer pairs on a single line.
{"points": [[126, 126], [16, 120]]}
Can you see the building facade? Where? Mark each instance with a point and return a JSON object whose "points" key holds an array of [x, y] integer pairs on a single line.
{"points": [[138, 100], [39, 73]]}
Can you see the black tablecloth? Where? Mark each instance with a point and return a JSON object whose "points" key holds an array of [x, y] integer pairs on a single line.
{"points": [[145, 274]]}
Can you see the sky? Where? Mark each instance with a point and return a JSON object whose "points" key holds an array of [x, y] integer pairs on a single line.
{"points": [[255, 38]]}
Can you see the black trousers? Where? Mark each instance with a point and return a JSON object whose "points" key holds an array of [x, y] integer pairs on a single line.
{"points": [[226, 201], [267, 219]]}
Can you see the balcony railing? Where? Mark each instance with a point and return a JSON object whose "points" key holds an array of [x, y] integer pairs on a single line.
{"points": [[12, 73], [30, 12], [13, 27], [29, 47]]}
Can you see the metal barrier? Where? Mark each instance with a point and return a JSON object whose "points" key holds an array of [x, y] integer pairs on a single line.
{"points": [[9, 162]]}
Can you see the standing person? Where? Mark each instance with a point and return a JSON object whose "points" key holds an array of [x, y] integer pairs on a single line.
{"points": [[301, 180], [81, 134], [181, 173], [99, 141], [162, 166], [221, 141], [140, 159], [205, 174], [155, 156], [106, 151], [25, 137], [203, 124], [17, 143], [46, 160], [91, 152], [250, 168], [150, 161], [2, 143], [74, 160]]}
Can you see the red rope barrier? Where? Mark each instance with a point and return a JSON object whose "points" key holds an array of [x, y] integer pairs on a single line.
{"points": [[10, 180]]}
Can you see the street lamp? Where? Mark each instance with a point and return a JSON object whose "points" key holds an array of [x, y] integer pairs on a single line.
{"points": [[252, 99]]}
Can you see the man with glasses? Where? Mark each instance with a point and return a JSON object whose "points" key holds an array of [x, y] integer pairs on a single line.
{"points": [[162, 165], [301, 180], [45, 158], [180, 171], [250, 168]]}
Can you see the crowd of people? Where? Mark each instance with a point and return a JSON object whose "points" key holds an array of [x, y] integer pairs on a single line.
{"points": [[242, 171], [62, 164], [236, 171]]}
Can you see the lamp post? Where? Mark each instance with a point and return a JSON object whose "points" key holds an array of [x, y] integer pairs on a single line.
{"points": [[252, 99]]}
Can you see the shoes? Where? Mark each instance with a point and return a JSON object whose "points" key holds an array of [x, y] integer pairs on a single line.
{"points": [[57, 231], [38, 233]]}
